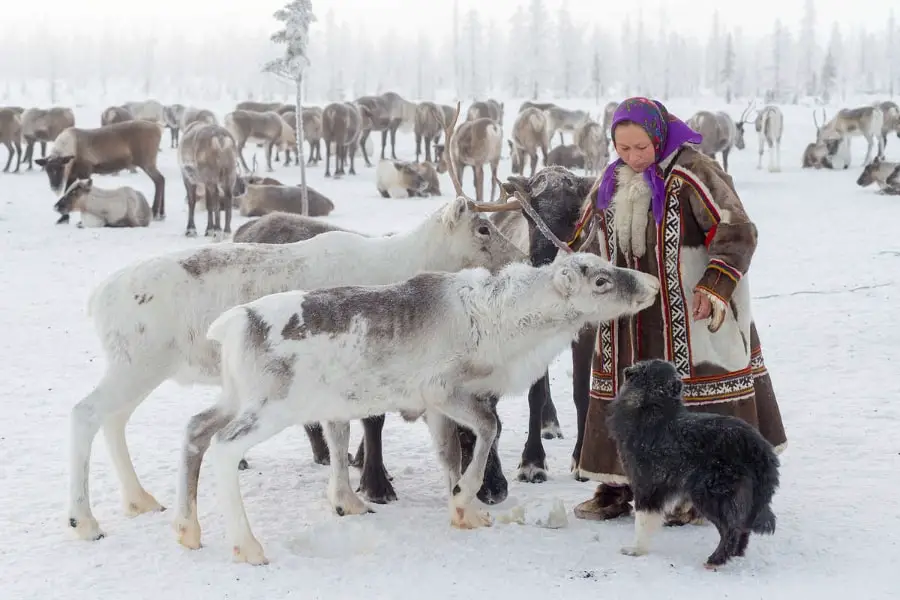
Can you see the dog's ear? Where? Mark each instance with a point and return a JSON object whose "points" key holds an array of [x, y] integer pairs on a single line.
{"points": [[676, 387]]}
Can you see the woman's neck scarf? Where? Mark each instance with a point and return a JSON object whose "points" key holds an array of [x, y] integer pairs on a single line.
{"points": [[667, 132]]}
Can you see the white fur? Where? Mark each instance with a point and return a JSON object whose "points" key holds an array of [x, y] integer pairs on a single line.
{"points": [[162, 338], [770, 126], [389, 178], [65, 144], [632, 211], [510, 326], [725, 347]]}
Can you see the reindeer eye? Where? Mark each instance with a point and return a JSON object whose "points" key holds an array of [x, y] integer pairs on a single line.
{"points": [[484, 230], [601, 282]]}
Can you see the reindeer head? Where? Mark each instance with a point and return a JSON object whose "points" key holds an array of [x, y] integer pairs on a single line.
{"points": [[739, 126], [57, 168], [867, 177], [413, 178], [78, 189]]}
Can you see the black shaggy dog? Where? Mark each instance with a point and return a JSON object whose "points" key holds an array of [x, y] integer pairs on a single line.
{"points": [[721, 464]]}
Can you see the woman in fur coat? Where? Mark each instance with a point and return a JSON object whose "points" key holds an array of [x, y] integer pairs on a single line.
{"points": [[664, 208]]}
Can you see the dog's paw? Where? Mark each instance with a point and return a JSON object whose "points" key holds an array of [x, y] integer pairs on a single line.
{"points": [[633, 551]]}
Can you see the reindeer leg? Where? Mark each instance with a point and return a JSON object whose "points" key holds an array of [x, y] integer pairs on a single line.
{"points": [[240, 150], [394, 139], [227, 207], [328, 161], [384, 137], [494, 166], [43, 149], [582, 358], [29, 153], [561, 140], [374, 482], [211, 211], [191, 191], [533, 466], [362, 144], [159, 192], [352, 160], [9, 148], [18, 155], [478, 176], [269, 157], [418, 146]]}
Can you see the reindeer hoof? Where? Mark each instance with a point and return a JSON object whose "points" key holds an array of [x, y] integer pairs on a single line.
{"points": [[190, 233]]}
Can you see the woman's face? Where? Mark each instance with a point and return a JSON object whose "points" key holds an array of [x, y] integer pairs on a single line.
{"points": [[634, 146]]}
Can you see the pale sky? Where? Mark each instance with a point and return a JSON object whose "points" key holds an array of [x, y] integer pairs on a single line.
{"points": [[435, 16]]}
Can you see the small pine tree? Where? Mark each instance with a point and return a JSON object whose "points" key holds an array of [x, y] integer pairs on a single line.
{"points": [[296, 16], [728, 68]]}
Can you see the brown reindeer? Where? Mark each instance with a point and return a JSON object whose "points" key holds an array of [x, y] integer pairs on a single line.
{"points": [[173, 114], [208, 158], [486, 109], [569, 156], [312, 133], [379, 119], [268, 128], [475, 143], [261, 200], [719, 133], [115, 114], [342, 124], [428, 128], [43, 125], [528, 135], [590, 138], [79, 153], [192, 114], [11, 136], [401, 115], [608, 112], [262, 107]]}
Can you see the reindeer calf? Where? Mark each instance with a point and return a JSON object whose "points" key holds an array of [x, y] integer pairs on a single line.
{"points": [[120, 207], [398, 179]]}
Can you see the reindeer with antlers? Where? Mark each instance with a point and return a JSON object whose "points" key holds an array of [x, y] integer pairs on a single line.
{"points": [[865, 121]]}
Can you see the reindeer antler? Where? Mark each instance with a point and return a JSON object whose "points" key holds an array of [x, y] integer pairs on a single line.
{"points": [[750, 106], [521, 199]]}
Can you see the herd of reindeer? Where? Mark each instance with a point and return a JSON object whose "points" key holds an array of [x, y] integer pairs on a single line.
{"points": [[214, 168]]}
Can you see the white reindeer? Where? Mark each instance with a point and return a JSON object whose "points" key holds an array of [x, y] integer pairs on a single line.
{"points": [[769, 128], [438, 343], [151, 318]]}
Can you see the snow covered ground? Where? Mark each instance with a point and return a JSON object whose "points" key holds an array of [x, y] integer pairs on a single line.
{"points": [[825, 278]]}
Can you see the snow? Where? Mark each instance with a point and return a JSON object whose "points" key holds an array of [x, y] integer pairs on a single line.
{"points": [[825, 279]]}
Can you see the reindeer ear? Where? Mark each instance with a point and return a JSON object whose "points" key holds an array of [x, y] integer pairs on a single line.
{"points": [[514, 182], [566, 280], [455, 211]]}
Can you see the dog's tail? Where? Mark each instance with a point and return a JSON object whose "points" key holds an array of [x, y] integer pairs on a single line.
{"points": [[763, 521]]}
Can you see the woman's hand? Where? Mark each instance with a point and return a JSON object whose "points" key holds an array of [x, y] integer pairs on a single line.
{"points": [[701, 307]]}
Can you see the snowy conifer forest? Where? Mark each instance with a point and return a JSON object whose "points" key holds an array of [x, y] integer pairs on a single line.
{"points": [[527, 59]]}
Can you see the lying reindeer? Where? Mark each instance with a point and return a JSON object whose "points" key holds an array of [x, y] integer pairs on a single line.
{"points": [[120, 207], [883, 173]]}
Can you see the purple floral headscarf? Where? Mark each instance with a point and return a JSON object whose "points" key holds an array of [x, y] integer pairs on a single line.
{"points": [[667, 132]]}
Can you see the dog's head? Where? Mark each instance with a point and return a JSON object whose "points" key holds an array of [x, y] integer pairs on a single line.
{"points": [[652, 384]]}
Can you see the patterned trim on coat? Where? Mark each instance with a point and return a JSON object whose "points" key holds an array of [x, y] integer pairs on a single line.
{"points": [[757, 363], [719, 388], [674, 311], [603, 381]]}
